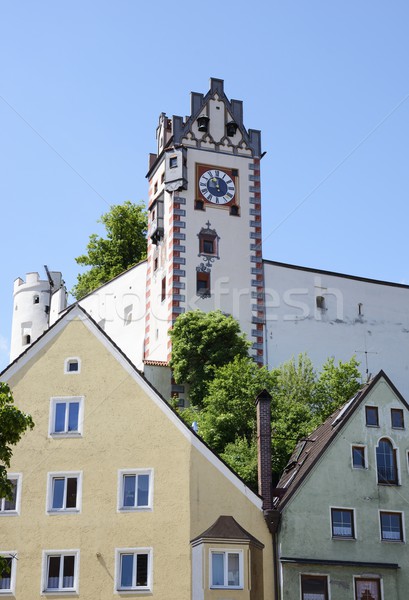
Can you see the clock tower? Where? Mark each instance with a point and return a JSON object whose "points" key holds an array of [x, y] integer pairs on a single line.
{"points": [[204, 246]]}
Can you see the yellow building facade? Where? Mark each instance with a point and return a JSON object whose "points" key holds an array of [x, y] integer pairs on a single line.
{"points": [[114, 493]]}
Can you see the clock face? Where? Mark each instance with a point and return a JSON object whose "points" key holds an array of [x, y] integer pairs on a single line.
{"points": [[217, 187]]}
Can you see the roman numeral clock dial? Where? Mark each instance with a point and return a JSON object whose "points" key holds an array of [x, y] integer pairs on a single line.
{"points": [[216, 186]]}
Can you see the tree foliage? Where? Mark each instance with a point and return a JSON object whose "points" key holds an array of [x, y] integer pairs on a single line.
{"points": [[301, 400], [123, 247], [201, 343], [13, 424], [229, 405]]}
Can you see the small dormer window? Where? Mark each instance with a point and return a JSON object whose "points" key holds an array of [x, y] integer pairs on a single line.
{"points": [[72, 365]]}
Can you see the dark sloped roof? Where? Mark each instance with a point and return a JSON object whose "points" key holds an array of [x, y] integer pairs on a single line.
{"points": [[310, 450], [227, 528]]}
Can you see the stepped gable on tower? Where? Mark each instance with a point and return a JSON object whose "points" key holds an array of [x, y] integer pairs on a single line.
{"points": [[184, 131]]}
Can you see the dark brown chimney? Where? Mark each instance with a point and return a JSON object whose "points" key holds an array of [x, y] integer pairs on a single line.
{"points": [[263, 406]]}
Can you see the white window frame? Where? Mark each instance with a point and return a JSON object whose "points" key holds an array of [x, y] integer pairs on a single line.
{"points": [[117, 584], [226, 552], [340, 537], [402, 520], [365, 468], [134, 472], [44, 578], [14, 556], [67, 362], [66, 399], [58, 475], [16, 511]]}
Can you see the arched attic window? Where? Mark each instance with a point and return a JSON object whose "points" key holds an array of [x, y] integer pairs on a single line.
{"points": [[386, 464]]}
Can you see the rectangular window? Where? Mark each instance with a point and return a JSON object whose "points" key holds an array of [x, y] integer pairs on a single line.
{"points": [[208, 246], [60, 571], [135, 489], [134, 569], [367, 589], [163, 290], [11, 505], [391, 526], [358, 457], [64, 492], [342, 522], [226, 569], [66, 416], [371, 416], [8, 574], [314, 587], [203, 284], [173, 162], [397, 419]]}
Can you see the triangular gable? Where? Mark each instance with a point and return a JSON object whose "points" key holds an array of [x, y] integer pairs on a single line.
{"points": [[181, 128], [309, 451], [77, 312]]}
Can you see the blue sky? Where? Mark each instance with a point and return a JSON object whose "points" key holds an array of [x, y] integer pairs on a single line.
{"points": [[82, 85]]}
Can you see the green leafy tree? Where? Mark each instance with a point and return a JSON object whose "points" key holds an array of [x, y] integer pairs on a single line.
{"points": [[292, 414], [13, 424], [241, 455], [301, 400], [229, 407], [335, 384], [202, 342], [123, 247]]}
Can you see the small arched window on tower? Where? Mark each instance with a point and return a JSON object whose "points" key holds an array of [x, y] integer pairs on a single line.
{"points": [[386, 463], [36, 299]]}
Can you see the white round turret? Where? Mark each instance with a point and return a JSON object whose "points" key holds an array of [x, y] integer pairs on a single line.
{"points": [[32, 302]]}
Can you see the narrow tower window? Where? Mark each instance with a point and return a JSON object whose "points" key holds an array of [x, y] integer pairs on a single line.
{"points": [[203, 284]]}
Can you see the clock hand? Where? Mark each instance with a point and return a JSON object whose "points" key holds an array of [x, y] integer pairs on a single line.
{"points": [[214, 179]]}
